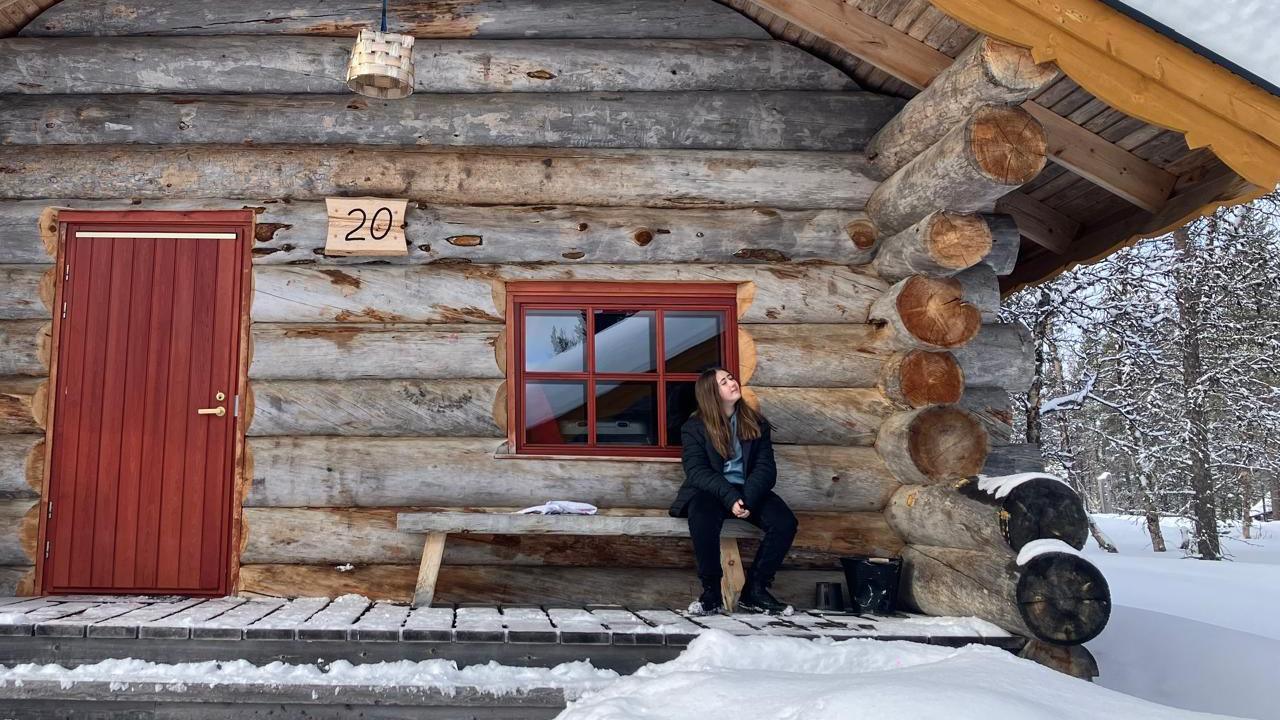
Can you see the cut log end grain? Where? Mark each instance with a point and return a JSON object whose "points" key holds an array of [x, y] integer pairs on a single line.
{"points": [[958, 240], [946, 442], [1063, 598], [862, 232], [1045, 508], [918, 378], [1013, 67], [1007, 144], [933, 311]]}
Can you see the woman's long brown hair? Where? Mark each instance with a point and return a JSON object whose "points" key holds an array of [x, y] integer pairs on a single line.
{"points": [[707, 393]]}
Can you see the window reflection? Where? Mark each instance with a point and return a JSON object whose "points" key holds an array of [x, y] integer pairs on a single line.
{"points": [[555, 412], [625, 341], [692, 340], [680, 405], [555, 341], [626, 413]]}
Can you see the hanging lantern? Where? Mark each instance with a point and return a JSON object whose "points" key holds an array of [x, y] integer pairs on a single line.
{"points": [[381, 63]]}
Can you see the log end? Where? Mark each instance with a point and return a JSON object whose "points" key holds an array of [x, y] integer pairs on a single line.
{"points": [[862, 233], [934, 312], [922, 378], [958, 240], [1045, 509], [946, 443], [1007, 144], [1063, 598], [1013, 68]]}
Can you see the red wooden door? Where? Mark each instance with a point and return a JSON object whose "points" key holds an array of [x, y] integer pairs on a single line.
{"points": [[142, 447]]}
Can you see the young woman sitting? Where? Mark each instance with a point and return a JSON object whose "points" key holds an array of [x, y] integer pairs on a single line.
{"points": [[729, 472]]}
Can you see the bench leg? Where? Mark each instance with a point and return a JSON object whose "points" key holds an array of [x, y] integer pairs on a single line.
{"points": [[732, 578], [429, 570]]}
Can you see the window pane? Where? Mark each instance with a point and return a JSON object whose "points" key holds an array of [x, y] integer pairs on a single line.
{"points": [[625, 341], [555, 412], [626, 413], [680, 405], [554, 341], [692, 340]]}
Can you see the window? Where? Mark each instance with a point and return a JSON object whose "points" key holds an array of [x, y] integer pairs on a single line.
{"points": [[608, 368]]}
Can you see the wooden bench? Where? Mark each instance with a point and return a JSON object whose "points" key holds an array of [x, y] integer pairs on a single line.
{"points": [[438, 525]]}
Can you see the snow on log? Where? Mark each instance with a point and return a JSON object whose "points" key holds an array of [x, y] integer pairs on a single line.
{"points": [[1058, 597], [928, 313], [933, 444], [964, 515], [940, 245], [424, 472], [996, 150], [988, 72]]}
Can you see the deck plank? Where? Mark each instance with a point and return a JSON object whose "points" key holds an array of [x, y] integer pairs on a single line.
{"points": [[231, 624], [478, 624], [428, 624], [382, 622], [676, 629], [283, 623], [126, 625], [579, 627], [529, 625], [77, 625], [627, 628], [178, 625], [335, 621]]}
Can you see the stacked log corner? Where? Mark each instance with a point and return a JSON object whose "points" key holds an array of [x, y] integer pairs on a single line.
{"points": [[950, 153]]}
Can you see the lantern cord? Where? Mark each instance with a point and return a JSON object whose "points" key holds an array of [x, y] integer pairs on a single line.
{"points": [[384, 15]]}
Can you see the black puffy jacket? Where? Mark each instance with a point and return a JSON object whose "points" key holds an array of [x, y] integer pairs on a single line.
{"points": [[703, 468]]}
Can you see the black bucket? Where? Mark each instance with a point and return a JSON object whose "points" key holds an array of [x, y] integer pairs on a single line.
{"points": [[872, 583]]}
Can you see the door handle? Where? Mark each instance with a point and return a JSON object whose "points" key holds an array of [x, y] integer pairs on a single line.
{"points": [[219, 411]]}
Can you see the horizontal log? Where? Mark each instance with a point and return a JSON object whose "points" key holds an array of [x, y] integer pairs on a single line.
{"points": [[979, 161], [549, 586], [940, 245], [21, 343], [474, 18], [17, 580], [1058, 597], [237, 65], [981, 288], [933, 444], [927, 313], [21, 466], [464, 472], [317, 536], [1013, 459], [966, 516], [20, 518], [318, 351], [21, 405], [448, 408], [1006, 240], [475, 293], [20, 292], [1000, 356], [511, 176], [292, 233], [987, 72], [823, 416], [780, 120], [992, 408]]}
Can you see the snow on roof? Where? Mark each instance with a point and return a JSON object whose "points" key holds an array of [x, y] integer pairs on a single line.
{"points": [[1237, 34]]}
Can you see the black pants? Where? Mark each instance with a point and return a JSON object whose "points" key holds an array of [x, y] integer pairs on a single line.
{"points": [[706, 518]]}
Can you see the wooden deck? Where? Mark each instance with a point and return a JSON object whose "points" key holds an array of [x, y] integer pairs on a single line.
{"points": [[77, 630]]}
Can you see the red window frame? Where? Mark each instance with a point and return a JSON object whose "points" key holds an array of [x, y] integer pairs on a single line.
{"points": [[590, 297]]}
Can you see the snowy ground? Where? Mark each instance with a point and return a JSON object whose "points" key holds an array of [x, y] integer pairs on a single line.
{"points": [[1189, 633]]}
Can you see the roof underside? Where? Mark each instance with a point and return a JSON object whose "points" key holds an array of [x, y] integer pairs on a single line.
{"points": [[1076, 210]]}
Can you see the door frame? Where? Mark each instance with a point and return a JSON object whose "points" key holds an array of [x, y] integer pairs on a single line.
{"points": [[245, 220]]}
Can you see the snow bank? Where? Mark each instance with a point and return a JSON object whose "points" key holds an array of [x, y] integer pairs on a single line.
{"points": [[773, 678], [572, 677]]}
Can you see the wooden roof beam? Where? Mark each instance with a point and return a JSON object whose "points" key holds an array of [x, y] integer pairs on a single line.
{"points": [[917, 64]]}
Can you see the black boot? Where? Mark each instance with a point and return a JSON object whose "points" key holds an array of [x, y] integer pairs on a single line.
{"points": [[709, 602], [755, 597]]}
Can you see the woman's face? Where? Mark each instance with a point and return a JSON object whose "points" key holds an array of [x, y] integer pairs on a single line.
{"points": [[728, 386]]}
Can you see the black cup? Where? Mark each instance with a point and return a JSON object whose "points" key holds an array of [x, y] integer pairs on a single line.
{"points": [[873, 584], [827, 596]]}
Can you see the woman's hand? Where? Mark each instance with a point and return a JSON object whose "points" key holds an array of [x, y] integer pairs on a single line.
{"points": [[741, 511]]}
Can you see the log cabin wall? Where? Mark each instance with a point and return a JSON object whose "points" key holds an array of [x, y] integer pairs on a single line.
{"points": [[620, 140]]}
